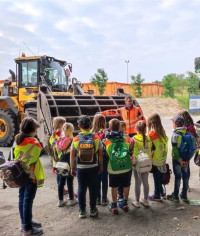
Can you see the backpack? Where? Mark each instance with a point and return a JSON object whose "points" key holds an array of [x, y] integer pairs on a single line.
{"points": [[143, 163], [13, 172], [62, 167], [165, 174], [86, 149], [120, 158], [187, 146]]}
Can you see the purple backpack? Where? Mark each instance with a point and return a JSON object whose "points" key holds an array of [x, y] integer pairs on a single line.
{"points": [[14, 174], [165, 177]]}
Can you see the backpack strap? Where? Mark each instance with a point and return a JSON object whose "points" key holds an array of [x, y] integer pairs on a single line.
{"points": [[64, 152], [178, 132]]}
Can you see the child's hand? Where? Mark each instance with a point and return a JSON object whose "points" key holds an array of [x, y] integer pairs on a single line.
{"points": [[184, 163], [100, 169], [73, 172]]}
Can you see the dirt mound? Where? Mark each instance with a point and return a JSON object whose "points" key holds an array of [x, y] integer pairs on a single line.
{"points": [[162, 106]]}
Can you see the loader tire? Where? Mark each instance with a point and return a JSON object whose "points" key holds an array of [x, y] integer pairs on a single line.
{"points": [[8, 127], [32, 112]]}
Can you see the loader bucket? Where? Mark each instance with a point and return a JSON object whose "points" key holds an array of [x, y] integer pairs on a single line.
{"points": [[71, 107]]}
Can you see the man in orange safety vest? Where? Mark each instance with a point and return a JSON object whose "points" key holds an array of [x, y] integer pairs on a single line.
{"points": [[131, 114]]}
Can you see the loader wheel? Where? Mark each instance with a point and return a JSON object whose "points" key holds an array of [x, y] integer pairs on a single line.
{"points": [[32, 112], [8, 127]]}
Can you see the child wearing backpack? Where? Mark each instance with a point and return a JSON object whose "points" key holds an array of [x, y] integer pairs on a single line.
{"points": [[119, 165], [125, 134], [63, 145], [58, 123], [98, 127], [25, 142], [87, 149], [159, 154], [179, 162], [142, 147], [189, 124]]}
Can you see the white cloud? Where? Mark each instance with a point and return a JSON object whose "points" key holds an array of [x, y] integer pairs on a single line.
{"points": [[27, 8], [31, 27]]}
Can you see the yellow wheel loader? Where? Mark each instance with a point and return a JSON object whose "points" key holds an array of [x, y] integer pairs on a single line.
{"points": [[42, 89]]}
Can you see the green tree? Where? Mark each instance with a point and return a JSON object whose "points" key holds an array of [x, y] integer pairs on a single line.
{"points": [[137, 84], [193, 82], [180, 84], [99, 79], [168, 84]]}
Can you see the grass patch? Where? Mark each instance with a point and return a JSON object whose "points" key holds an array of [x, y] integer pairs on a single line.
{"points": [[183, 100]]}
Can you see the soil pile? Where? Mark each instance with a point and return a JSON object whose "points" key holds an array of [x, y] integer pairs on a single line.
{"points": [[162, 106]]}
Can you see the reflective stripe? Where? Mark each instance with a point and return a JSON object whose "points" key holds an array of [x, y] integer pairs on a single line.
{"points": [[86, 166], [117, 172], [158, 163], [40, 183]]}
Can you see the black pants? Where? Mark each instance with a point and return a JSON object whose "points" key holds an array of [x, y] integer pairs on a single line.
{"points": [[61, 185]]}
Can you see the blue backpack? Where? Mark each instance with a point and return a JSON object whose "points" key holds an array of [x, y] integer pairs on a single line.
{"points": [[187, 147]]}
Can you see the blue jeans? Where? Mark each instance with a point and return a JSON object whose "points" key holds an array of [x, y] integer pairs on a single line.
{"points": [[180, 172], [102, 182], [158, 189], [26, 197], [87, 178]]}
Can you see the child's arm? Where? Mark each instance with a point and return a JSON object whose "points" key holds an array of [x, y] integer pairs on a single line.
{"points": [[100, 155], [73, 155]]}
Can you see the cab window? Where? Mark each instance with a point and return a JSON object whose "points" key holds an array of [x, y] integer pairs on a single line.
{"points": [[29, 74]]}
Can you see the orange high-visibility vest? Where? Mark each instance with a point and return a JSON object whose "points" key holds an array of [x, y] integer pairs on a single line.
{"points": [[130, 117]]}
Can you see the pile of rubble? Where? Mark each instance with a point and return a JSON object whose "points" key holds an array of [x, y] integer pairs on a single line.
{"points": [[163, 106]]}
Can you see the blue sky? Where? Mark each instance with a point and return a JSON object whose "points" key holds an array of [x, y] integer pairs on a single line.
{"points": [[158, 37]]}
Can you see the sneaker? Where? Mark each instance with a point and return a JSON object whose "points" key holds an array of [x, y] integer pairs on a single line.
{"points": [[163, 196], [98, 202], [73, 202], [120, 198], [82, 214], [153, 198], [173, 198], [36, 224], [120, 204], [185, 199], [61, 203], [113, 208], [94, 213], [104, 202], [33, 232], [124, 205], [145, 202], [136, 204]]}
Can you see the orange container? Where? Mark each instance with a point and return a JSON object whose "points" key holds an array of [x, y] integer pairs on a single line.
{"points": [[148, 89]]}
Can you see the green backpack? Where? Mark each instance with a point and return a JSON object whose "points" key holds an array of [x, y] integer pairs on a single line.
{"points": [[120, 157]]}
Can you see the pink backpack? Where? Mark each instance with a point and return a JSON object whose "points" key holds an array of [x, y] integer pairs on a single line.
{"points": [[63, 143]]}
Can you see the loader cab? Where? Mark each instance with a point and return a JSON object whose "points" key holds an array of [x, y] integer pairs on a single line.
{"points": [[32, 72], [54, 75]]}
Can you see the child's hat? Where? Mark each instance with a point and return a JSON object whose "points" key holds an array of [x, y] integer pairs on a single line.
{"points": [[84, 120], [178, 120]]}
